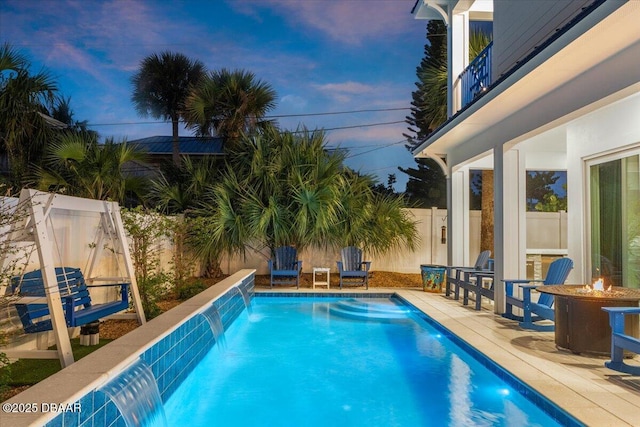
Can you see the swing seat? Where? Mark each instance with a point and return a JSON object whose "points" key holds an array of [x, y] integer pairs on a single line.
{"points": [[76, 300]]}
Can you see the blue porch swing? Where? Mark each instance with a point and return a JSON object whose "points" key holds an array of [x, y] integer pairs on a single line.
{"points": [[56, 298]]}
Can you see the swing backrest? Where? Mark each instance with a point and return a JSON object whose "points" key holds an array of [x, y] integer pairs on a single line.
{"points": [[75, 299], [70, 282]]}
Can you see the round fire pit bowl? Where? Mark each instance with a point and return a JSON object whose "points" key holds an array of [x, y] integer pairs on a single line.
{"points": [[580, 325]]}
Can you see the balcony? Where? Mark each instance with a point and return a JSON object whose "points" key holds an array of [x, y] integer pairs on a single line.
{"points": [[476, 78]]}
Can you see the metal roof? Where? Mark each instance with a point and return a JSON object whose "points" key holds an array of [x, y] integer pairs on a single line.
{"points": [[188, 145]]}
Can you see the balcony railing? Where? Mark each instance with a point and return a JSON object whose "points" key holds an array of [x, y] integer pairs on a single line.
{"points": [[476, 78]]}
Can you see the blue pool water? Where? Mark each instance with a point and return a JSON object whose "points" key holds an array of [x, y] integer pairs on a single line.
{"points": [[319, 362]]}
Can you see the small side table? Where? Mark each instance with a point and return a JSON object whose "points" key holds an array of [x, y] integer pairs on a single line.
{"points": [[321, 270]]}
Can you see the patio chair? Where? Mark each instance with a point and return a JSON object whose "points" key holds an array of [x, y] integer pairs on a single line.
{"points": [[475, 281], [543, 308], [456, 279], [285, 269], [352, 267], [621, 341]]}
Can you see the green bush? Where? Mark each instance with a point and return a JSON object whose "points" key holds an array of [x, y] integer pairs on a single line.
{"points": [[188, 290], [5, 369], [147, 230]]}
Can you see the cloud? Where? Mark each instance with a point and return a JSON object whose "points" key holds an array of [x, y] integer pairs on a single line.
{"points": [[349, 87], [343, 92], [293, 103], [351, 22], [379, 135]]}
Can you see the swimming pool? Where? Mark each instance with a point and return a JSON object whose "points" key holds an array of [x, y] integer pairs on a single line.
{"points": [[171, 347], [345, 362]]}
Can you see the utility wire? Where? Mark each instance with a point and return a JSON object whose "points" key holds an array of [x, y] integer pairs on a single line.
{"points": [[329, 113], [298, 131], [378, 148], [356, 126], [337, 112]]}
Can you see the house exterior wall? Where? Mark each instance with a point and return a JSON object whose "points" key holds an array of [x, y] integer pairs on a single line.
{"points": [[520, 26], [604, 132]]}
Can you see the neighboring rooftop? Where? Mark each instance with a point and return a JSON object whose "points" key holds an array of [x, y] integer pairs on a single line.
{"points": [[190, 145]]}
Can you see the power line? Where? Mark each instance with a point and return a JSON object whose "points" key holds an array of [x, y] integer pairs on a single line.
{"points": [[338, 112], [328, 113], [378, 148], [299, 131], [356, 126]]}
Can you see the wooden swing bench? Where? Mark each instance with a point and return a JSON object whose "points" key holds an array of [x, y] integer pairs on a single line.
{"points": [[74, 293]]}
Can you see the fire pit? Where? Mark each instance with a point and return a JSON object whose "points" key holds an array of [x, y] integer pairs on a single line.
{"points": [[581, 325]]}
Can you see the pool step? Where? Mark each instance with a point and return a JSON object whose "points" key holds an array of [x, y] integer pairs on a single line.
{"points": [[365, 310]]}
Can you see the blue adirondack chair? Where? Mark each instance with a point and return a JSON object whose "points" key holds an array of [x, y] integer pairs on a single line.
{"points": [[620, 341], [458, 278], [543, 308], [285, 268], [352, 267]]}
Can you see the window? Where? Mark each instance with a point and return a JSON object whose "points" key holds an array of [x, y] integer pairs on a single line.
{"points": [[615, 221]]}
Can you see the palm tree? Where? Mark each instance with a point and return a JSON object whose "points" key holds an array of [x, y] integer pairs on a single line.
{"points": [[184, 192], [375, 222], [161, 86], [228, 104], [63, 113], [25, 100], [285, 188], [78, 165]]}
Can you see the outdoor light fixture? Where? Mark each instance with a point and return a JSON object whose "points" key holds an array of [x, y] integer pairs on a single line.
{"points": [[443, 235]]}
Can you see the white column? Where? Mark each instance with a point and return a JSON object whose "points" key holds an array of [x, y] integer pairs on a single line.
{"points": [[458, 221], [457, 57], [510, 232]]}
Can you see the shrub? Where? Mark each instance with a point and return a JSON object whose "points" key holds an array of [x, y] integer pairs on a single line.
{"points": [[188, 290]]}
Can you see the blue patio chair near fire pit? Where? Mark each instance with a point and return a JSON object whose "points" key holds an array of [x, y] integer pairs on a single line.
{"points": [[542, 309], [621, 341]]}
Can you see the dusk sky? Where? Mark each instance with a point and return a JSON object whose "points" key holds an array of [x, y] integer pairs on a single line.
{"points": [[321, 56]]}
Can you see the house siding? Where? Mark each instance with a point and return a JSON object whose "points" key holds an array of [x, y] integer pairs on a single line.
{"points": [[520, 26]]}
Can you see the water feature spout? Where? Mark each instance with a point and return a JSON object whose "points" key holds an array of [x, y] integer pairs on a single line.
{"points": [[215, 323], [135, 393], [246, 298]]}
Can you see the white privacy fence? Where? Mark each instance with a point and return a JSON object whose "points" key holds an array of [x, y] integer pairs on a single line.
{"points": [[546, 234]]}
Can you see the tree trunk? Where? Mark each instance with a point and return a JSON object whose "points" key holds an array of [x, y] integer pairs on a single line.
{"points": [[176, 143], [486, 224]]}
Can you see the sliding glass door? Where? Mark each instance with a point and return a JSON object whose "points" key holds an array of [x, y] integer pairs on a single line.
{"points": [[615, 221]]}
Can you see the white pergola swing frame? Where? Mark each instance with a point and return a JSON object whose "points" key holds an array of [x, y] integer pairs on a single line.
{"points": [[35, 228]]}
